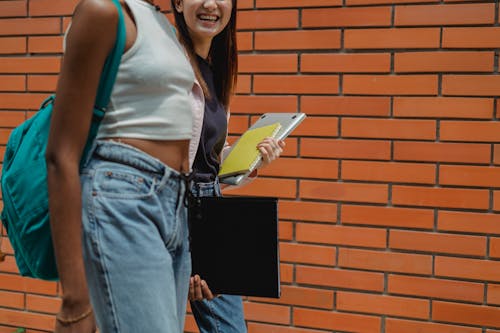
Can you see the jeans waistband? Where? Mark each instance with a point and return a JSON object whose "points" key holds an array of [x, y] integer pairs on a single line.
{"points": [[206, 189]]}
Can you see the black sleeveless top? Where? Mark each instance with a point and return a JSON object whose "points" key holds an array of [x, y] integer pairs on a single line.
{"points": [[213, 134]]}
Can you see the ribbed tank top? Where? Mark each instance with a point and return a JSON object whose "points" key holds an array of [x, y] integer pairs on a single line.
{"points": [[151, 98]]}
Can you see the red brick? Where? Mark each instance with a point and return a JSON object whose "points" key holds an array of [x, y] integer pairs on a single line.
{"points": [[318, 126], [469, 175], [480, 223], [493, 294], [436, 288], [340, 278], [437, 242], [52, 7], [389, 128], [388, 172], [296, 84], [244, 84], [27, 319], [12, 45], [383, 304], [301, 168], [494, 247], [387, 216], [22, 284], [442, 152], [482, 270], [43, 303], [308, 211], [473, 37], [262, 104], [347, 17], [263, 328], [459, 14], [11, 300], [349, 192], [443, 107], [30, 65], [268, 313], [309, 297], [471, 131], [12, 118], [286, 273], [30, 26], [393, 325], [297, 40], [466, 314], [45, 44], [307, 254], [295, 3], [401, 38], [496, 200], [440, 197], [9, 265], [478, 85], [340, 235], [345, 63], [267, 63], [12, 83], [285, 230], [336, 321], [496, 158], [385, 261], [345, 105], [412, 62], [269, 19], [390, 85], [244, 40], [282, 188], [351, 149], [379, 2], [13, 8], [245, 4], [42, 83]]}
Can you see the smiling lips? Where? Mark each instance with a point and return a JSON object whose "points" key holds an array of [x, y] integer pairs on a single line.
{"points": [[208, 17]]}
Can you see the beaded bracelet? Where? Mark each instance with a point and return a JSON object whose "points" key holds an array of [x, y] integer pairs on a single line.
{"points": [[68, 321]]}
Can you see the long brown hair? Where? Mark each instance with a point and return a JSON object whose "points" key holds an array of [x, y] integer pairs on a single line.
{"points": [[223, 55]]}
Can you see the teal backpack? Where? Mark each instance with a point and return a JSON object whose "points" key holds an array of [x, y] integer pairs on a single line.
{"points": [[25, 212]]}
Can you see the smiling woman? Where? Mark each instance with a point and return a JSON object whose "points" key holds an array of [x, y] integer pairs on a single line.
{"points": [[207, 29]]}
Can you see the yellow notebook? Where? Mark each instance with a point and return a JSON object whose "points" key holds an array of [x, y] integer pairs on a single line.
{"points": [[244, 156]]}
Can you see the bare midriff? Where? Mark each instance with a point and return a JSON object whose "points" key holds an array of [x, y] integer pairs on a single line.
{"points": [[174, 153]]}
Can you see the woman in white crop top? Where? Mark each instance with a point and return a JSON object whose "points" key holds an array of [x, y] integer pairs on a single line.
{"points": [[119, 224]]}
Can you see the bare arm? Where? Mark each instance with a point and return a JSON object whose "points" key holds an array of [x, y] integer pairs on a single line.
{"points": [[91, 38]]}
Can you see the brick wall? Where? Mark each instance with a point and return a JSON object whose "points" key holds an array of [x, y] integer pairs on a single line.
{"points": [[390, 190]]}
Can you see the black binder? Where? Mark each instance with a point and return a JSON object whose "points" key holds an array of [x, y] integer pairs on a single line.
{"points": [[234, 244]]}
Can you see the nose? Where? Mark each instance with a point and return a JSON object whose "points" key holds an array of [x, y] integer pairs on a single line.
{"points": [[210, 4]]}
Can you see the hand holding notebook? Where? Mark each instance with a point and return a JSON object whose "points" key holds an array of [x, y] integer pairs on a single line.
{"points": [[245, 156]]}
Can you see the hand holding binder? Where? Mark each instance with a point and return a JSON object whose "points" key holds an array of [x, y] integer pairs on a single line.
{"points": [[245, 156]]}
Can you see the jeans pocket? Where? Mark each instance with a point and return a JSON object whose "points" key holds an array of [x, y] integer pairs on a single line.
{"points": [[123, 183]]}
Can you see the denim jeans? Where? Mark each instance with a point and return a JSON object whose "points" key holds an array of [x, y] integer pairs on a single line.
{"points": [[135, 241], [223, 314]]}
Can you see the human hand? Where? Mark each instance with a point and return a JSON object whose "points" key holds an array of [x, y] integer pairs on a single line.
{"points": [[75, 319], [199, 290], [270, 149]]}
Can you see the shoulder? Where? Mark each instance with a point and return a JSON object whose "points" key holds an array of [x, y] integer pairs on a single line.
{"points": [[94, 21], [97, 11]]}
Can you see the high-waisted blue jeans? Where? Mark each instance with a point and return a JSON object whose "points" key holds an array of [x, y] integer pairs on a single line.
{"points": [[135, 241], [223, 314]]}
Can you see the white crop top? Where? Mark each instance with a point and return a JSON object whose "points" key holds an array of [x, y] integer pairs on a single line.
{"points": [[151, 98]]}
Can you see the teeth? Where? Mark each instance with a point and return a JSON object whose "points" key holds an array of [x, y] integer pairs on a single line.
{"points": [[208, 17]]}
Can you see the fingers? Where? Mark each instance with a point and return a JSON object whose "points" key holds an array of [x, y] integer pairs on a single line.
{"points": [[198, 289], [270, 149]]}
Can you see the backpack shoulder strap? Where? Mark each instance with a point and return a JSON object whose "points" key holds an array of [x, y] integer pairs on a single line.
{"points": [[112, 63]]}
